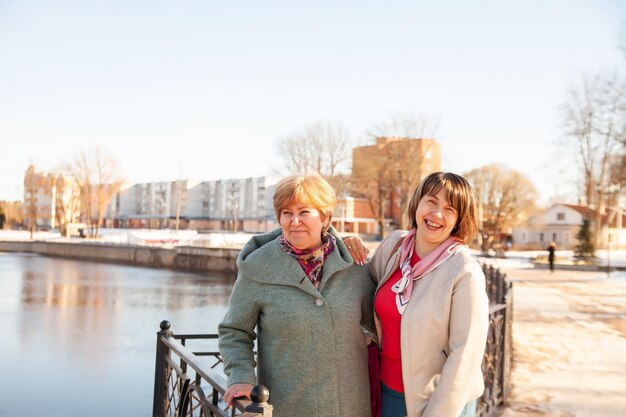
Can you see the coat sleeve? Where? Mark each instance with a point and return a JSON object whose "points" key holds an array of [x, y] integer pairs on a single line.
{"points": [[469, 324], [367, 304], [237, 333], [377, 266], [374, 265], [383, 252]]}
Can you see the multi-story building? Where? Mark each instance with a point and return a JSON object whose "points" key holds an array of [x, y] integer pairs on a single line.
{"points": [[354, 215], [393, 167], [67, 197], [39, 198], [150, 205], [55, 201], [232, 204]]}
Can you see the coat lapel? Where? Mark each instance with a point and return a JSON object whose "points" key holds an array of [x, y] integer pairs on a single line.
{"points": [[332, 264], [279, 268], [289, 271]]}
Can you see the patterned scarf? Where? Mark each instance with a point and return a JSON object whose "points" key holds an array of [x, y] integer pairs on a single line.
{"points": [[440, 254], [311, 260]]}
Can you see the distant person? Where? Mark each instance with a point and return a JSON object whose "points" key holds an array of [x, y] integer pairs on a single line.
{"points": [[431, 307], [551, 250], [299, 291]]}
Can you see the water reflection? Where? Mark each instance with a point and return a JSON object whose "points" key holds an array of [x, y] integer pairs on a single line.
{"points": [[86, 331], [96, 286]]}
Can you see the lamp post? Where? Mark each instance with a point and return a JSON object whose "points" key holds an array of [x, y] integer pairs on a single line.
{"points": [[611, 189]]}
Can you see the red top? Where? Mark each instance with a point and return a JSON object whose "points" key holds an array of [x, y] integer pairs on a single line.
{"points": [[390, 356]]}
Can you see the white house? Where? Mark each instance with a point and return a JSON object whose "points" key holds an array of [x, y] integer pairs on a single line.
{"points": [[561, 224]]}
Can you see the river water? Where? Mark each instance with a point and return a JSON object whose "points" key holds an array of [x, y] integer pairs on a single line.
{"points": [[78, 338]]}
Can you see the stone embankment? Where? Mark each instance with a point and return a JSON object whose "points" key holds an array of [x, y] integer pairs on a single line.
{"points": [[186, 258]]}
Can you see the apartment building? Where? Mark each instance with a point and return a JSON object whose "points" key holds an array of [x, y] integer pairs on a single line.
{"points": [[39, 197], [354, 215], [150, 205], [230, 204]]}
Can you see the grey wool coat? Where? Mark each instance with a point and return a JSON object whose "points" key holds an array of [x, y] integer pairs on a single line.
{"points": [[312, 352]]}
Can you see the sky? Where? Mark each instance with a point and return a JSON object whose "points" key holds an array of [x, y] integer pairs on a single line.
{"points": [[205, 89]]}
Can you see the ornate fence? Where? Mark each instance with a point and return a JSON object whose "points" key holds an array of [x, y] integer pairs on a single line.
{"points": [[499, 353], [185, 384]]}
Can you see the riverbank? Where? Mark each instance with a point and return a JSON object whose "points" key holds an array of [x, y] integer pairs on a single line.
{"points": [[191, 251], [183, 258]]}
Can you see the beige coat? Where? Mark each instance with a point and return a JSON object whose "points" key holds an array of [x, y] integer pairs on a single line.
{"points": [[443, 332]]}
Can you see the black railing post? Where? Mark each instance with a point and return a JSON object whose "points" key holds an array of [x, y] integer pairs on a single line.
{"points": [[159, 405], [508, 342], [259, 396], [498, 355]]}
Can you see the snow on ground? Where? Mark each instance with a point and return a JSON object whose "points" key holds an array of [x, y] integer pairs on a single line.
{"points": [[523, 258], [148, 237], [569, 339], [171, 238]]}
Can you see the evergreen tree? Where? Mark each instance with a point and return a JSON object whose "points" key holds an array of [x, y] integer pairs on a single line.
{"points": [[585, 250]]}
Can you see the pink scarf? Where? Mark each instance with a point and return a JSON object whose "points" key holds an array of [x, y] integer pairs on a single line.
{"points": [[441, 253], [311, 260]]}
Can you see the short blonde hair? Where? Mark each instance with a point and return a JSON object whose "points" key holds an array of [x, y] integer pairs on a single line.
{"points": [[460, 195], [310, 189]]}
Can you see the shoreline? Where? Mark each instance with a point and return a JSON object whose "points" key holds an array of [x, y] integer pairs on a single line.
{"points": [[180, 258], [218, 255]]}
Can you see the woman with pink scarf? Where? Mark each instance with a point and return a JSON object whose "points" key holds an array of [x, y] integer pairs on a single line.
{"points": [[431, 308]]}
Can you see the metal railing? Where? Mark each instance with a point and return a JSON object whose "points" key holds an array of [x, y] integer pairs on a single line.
{"points": [[498, 353], [186, 385], [176, 393]]}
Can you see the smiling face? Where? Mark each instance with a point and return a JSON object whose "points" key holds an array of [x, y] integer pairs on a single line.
{"points": [[435, 218], [302, 225]]}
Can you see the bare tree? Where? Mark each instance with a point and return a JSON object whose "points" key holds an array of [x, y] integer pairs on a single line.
{"points": [[618, 168], [97, 176], [373, 178], [406, 126], [402, 163], [505, 198], [13, 212], [387, 172], [323, 147], [67, 201], [595, 118], [31, 197]]}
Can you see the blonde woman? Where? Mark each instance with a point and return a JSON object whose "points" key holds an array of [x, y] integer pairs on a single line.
{"points": [[299, 291]]}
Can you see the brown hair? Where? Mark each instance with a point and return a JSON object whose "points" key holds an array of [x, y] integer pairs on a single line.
{"points": [[310, 189], [460, 195]]}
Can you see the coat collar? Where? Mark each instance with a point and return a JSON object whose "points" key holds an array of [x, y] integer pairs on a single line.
{"points": [[263, 260]]}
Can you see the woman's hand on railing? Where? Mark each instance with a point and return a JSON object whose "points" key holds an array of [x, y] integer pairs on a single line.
{"points": [[237, 391], [357, 249]]}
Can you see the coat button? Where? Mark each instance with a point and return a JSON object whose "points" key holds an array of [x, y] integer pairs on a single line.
{"points": [[319, 302]]}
